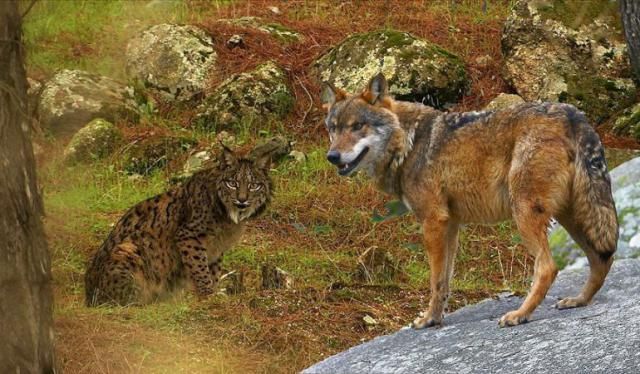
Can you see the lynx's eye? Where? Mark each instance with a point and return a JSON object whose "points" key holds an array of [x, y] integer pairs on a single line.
{"points": [[357, 126], [231, 184], [254, 186]]}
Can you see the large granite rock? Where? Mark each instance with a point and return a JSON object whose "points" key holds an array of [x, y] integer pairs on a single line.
{"points": [[601, 337], [626, 194], [72, 98], [415, 68], [173, 60], [261, 94], [98, 139], [570, 52]]}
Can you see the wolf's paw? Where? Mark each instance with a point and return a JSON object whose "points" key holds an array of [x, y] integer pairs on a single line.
{"points": [[570, 302], [426, 320], [513, 318]]}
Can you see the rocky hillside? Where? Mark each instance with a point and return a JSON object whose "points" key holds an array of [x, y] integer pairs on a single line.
{"points": [[599, 337]]}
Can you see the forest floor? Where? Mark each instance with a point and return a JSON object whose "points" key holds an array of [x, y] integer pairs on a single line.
{"points": [[317, 226]]}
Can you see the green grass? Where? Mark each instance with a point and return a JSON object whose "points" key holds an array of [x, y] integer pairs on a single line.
{"points": [[98, 188], [88, 34]]}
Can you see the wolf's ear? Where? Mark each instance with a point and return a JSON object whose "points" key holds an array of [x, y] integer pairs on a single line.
{"points": [[227, 158], [331, 95], [377, 89]]}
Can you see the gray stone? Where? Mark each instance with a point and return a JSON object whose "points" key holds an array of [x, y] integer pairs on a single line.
{"points": [[261, 94], [415, 68], [173, 60], [504, 100], [626, 194], [277, 30], [98, 139], [72, 98], [602, 337], [549, 57]]}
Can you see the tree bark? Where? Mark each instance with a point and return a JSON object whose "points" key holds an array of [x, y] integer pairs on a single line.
{"points": [[630, 12], [26, 325]]}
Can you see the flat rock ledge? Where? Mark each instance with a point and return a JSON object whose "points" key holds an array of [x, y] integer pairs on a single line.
{"points": [[602, 337]]}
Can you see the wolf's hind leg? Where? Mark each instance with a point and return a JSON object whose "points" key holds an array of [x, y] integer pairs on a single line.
{"points": [[532, 225], [598, 267]]}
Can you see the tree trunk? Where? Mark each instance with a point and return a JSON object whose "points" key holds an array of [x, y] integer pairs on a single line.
{"points": [[26, 326], [630, 11]]}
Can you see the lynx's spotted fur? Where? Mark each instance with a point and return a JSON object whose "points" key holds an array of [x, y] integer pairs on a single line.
{"points": [[178, 236]]}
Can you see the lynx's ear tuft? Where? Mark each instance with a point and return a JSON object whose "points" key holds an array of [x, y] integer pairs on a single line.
{"points": [[264, 161], [227, 158], [331, 95]]}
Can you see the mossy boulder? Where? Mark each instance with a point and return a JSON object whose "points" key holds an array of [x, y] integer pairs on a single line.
{"points": [[626, 194], [72, 98], [145, 156], [504, 100], [276, 30], [258, 95], [551, 54], [173, 60], [415, 68], [98, 139], [628, 124]]}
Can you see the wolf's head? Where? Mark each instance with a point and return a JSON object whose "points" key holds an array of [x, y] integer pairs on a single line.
{"points": [[360, 126]]}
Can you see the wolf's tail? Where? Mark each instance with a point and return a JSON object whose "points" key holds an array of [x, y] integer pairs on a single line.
{"points": [[593, 205]]}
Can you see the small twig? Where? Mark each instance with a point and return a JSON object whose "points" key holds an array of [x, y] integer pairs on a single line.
{"points": [[26, 11], [310, 100]]}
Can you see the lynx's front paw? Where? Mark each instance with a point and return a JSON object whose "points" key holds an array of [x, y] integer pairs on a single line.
{"points": [[513, 318], [425, 320], [204, 292]]}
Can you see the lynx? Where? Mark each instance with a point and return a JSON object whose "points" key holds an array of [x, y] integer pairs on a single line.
{"points": [[179, 236]]}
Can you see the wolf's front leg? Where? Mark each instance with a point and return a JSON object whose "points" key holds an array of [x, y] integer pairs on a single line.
{"points": [[435, 236], [194, 258]]}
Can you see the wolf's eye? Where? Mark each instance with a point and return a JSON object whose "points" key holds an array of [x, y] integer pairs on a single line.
{"points": [[357, 126], [254, 186], [231, 184]]}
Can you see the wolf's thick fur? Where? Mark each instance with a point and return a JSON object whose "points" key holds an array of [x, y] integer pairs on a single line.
{"points": [[528, 163]]}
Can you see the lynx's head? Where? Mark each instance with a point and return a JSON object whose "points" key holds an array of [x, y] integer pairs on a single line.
{"points": [[243, 185]]}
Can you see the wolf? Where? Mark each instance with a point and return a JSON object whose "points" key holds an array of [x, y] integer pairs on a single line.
{"points": [[528, 163]]}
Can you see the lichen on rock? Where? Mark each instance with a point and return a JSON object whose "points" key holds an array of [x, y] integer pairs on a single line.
{"points": [[174, 60], [415, 68], [261, 94], [550, 57], [98, 139], [277, 30], [71, 98], [504, 100], [628, 124]]}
